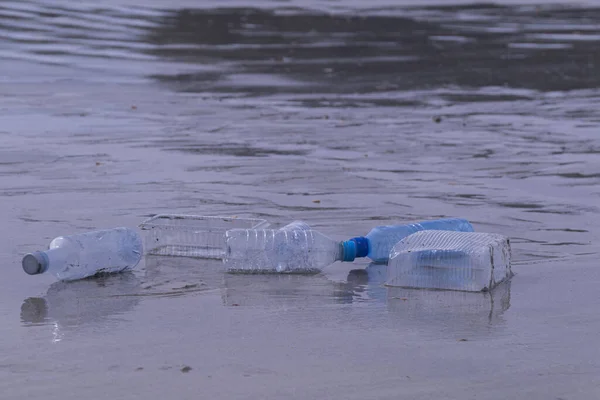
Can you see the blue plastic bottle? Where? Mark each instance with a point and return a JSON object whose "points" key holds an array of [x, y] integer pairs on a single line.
{"points": [[379, 242]]}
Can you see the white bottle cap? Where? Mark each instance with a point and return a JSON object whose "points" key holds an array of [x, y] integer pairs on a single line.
{"points": [[35, 263]]}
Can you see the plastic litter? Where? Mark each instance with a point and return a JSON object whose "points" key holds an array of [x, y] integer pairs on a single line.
{"points": [[466, 261], [295, 248], [79, 256], [192, 235]]}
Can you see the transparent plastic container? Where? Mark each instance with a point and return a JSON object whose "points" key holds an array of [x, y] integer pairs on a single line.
{"points": [[192, 235], [294, 248], [87, 254], [465, 261], [285, 250]]}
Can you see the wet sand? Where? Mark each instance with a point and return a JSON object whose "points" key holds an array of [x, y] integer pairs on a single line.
{"points": [[346, 120]]}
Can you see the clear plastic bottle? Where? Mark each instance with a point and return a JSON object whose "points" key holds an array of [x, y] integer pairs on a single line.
{"points": [[379, 241], [79, 256], [286, 250], [465, 261]]}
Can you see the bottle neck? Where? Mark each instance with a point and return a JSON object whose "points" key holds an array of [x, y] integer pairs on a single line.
{"points": [[362, 246], [56, 258], [354, 248]]}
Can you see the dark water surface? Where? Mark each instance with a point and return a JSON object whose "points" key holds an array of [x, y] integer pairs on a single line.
{"points": [[346, 115]]}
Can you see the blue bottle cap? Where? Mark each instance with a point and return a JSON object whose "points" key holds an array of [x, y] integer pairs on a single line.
{"points": [[349, 250], [362, 246]]}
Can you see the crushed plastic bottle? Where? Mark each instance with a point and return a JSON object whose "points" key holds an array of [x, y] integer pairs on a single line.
{"points": [[79, 256], [196, 236], [465, 261], [379, 241]]}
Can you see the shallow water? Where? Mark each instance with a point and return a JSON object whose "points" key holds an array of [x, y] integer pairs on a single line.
{"points": [[343, 115]]}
